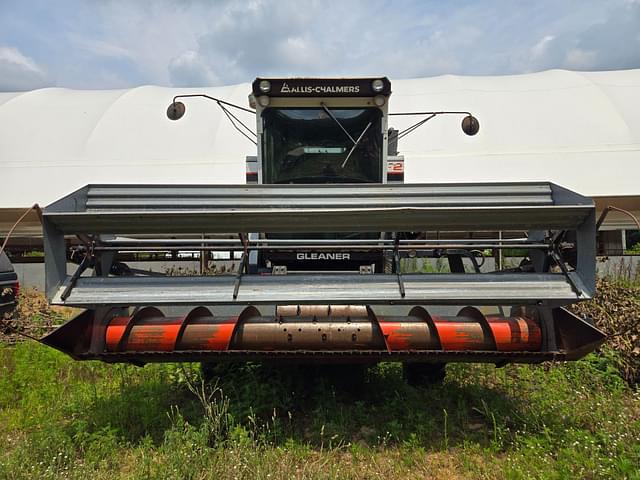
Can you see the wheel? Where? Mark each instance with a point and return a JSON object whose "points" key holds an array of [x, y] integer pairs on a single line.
{"points": [[209, 371], [214, 371], [423, 374], [346, 378]]}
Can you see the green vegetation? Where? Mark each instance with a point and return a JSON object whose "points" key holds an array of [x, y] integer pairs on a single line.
{"points": [[65, 419], [424, 265], [34, 254], [624, 272], [633, 250], [633, 242]]}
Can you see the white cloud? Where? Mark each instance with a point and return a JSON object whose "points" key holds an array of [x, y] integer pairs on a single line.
{"points": [[193, 42], [608, 41], [189, 68], [411, 40], [101, 48], [19, 72], [579, 59], [541, 48]]}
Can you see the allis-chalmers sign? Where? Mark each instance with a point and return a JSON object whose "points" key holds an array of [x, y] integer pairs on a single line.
{"points": [[321, 87]]}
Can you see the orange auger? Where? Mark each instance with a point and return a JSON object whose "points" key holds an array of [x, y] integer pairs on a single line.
{"points": [[344, 333], [469, 330], [318, 327], [149, 330]]}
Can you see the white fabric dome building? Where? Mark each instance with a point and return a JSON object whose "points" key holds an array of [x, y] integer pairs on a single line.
{"points": [[577, 129]]}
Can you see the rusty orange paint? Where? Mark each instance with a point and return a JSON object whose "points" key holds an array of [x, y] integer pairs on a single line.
{"points": [[114, 332], [152, 332], [220, 339], [153, 337], [207, 336], [394, 337], [407, 335], [515, 333], [460, 335]]}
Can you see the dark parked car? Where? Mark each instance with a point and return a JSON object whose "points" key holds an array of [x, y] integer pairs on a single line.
{"points": [[9, 285]]}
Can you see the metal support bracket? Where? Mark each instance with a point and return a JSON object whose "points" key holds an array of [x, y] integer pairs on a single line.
{"points": [[558, 259], [457, 260], [396, 262], [86, 261], [243, 267]]}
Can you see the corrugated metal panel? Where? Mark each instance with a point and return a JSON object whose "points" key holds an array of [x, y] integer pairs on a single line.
{"points": [[124, 209], [437, 289]]}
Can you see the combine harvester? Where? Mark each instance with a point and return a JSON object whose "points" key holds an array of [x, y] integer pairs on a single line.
{"points": [[323, 225]]}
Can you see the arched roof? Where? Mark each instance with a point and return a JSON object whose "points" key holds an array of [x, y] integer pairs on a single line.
{"points": [[578, 129], [55, 140]]}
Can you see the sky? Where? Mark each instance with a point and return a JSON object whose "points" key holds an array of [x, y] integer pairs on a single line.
{"points": [[95, 44]]}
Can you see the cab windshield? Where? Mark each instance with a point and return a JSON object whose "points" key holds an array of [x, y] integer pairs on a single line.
{"points": [[306, 145]]}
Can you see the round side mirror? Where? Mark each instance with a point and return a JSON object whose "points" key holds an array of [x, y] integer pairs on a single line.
{"points": [[176, 110], [470, 125]]}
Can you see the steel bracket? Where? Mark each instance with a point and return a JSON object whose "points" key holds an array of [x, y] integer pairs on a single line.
{"points": [[396, 262]]}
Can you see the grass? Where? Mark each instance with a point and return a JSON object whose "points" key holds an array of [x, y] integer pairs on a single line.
{"points": [[66, 419]]}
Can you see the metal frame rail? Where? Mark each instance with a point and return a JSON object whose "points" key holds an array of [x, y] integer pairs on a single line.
{"points": [[109, 218]]}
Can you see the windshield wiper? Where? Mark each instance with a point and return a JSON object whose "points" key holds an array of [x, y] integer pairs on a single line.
{"points": [[355, 142]]}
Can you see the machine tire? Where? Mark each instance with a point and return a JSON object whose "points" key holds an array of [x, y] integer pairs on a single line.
{"points": [[209, 371], [424, 374], [346, 378], [213, 372]]}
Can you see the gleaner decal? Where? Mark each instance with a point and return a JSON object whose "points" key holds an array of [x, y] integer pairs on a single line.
{"points": [[320, 89], [323, 256]]}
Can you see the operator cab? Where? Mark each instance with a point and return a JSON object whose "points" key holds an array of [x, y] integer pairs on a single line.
{"points": [[320, 131]]}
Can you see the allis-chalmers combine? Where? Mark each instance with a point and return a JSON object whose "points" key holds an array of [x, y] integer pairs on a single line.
{"points": [[324, 226]]}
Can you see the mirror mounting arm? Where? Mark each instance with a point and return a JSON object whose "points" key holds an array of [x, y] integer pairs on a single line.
{"points": [[470, 124]]}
